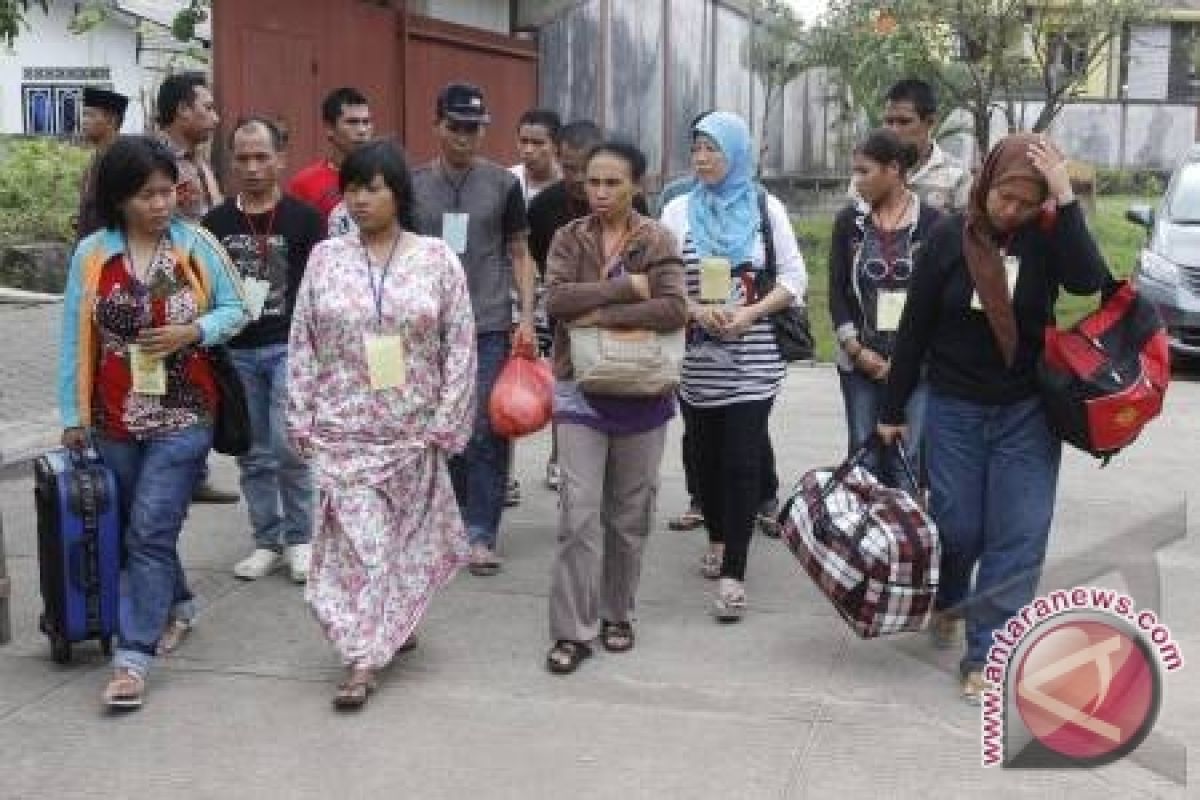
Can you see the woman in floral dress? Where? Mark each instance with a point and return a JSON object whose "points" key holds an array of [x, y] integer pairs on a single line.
{"points": [[381, 379]]}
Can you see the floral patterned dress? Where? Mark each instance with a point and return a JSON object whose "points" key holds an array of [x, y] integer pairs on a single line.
{"points": [[388, 530]]}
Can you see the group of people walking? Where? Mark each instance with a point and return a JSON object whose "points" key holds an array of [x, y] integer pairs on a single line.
{"points": [[369, 307]]}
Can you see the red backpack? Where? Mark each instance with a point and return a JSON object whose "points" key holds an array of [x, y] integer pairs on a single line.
{"points": [[1105, 378]]}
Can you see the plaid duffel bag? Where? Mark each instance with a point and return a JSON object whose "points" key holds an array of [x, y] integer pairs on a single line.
{"points": [[870, 549]]}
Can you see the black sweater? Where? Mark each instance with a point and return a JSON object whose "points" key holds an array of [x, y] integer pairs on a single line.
{"points": [[939, 328], [845, 306]]}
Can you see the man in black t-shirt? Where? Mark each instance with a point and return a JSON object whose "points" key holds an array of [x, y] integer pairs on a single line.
{"points": [[269, 236]]}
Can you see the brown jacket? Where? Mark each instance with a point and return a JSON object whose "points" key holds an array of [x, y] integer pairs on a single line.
{"points": [[575, 282]]}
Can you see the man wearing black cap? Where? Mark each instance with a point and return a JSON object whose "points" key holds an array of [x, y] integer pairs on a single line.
{"points": [[103, 115], [478, 209]]}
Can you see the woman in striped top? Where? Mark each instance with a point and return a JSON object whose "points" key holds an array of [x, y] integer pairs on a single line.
{"points": [[732, 370]]}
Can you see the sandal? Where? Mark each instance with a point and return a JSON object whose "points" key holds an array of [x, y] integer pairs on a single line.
{"points": [[730, 602], [689, 520], [352, 693], [617, 637], [172, 636], [566, 656], [125, 691], [484, 563], [710, 564]]}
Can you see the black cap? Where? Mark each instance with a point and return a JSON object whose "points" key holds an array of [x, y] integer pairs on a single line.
{"points": [[462, 102], [105, 99]]}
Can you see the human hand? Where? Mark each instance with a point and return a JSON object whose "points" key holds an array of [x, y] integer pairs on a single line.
{"points": [[524, 337], [735, 323], [1049, 159], [708, 317], [890, 434], [871, 364], [641, 285], [75, 438], [163, 341], [587, 320]]}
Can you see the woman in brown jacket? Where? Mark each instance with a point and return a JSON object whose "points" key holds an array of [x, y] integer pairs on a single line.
{"points": [[611, 269]]}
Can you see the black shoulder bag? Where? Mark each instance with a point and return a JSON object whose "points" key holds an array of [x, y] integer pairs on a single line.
{"points": [[793, 336]]}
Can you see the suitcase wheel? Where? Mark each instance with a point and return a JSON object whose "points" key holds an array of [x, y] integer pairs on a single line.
{"points": [[60, 649]]}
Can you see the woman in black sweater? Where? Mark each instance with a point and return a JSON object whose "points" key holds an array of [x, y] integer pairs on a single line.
{"points": [[875, 241], [983, 293]]}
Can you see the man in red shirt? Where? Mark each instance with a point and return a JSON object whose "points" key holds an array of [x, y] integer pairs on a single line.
{"points": [[347, 126]]}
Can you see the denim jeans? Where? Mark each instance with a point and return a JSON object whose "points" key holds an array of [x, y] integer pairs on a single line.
{"points": [[155, 478], [481, 471], [276, 481], [993, 477], [862, 398]]}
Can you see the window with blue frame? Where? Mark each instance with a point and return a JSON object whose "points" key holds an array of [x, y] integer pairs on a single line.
{"points": [[52, 97]]}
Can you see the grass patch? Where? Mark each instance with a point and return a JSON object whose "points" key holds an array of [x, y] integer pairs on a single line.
{"points": [[1119, 241]]}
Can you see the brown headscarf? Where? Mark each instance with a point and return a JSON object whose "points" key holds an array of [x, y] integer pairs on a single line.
{"points": [[1008, 162]]}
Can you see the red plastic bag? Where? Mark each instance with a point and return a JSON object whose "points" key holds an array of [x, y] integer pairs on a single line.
{"points": [[522, 400]]}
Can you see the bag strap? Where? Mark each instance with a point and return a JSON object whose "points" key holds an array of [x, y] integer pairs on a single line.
{"points": [[770, 268], [873, 442]]}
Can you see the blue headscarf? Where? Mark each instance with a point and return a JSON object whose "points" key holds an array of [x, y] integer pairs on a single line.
{"points": [[723, 218]]}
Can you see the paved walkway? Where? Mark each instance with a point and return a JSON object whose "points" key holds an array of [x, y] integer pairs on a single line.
{"points": [[785, 705]]}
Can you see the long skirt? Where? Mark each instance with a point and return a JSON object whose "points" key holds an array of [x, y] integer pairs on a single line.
{"points": [[380, 550]]}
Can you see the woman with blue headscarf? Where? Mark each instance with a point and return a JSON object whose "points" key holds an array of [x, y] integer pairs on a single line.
{"points": [[733, 369]]}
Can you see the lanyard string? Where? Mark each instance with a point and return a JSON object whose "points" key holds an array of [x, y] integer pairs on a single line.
{"points": [[456, 187], [261, 239], [611, 256], [377, 289]]}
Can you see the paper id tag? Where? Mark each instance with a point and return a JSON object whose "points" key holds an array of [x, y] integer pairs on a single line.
{"points": [[256, 295], [385, 360], [149, 373], [454, 231], [889, 307], [715, 280]]}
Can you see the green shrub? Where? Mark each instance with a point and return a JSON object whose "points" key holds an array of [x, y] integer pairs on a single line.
{"points": [[39, 188], [1142, 182]]}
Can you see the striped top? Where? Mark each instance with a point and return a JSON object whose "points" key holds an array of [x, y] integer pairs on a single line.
{"points": [[720, 373]]}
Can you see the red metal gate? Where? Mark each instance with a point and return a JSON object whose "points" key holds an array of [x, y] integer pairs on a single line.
{"points": [[278, 58]]}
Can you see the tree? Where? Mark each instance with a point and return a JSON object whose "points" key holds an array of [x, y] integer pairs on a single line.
{"points": [[13, 19], [985, 56], [777, 53]]}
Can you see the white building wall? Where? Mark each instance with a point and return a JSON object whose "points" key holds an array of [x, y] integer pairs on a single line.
{"points": [[49, 43]]}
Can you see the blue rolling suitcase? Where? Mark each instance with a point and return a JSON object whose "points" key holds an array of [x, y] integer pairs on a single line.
{"points": [[79, 549]]}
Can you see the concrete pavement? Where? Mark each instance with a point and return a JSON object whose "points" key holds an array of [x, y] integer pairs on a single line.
{"points": [[788, 704]]}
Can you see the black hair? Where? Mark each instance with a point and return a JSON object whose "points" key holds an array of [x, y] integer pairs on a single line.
{"points": [[274, 132], [696, 120], [385, 159], [175, 89], [124, 169], [919, 93], [337, 100], [884, 147], [550, 120], [624, 150], [580, 134]]}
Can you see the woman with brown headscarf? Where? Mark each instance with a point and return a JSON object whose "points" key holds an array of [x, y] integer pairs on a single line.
{"points": [[983, 291]]}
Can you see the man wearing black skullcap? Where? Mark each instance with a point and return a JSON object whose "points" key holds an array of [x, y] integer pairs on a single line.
{"points": [[103, 115]]}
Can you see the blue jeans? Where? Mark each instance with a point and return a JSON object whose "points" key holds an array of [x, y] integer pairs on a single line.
{"points": [[481, 471], [276, 481], [862, 397], [993, 477], [155, 478]]}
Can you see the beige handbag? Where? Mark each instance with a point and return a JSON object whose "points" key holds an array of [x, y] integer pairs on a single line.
{"points": [[633, 363]]}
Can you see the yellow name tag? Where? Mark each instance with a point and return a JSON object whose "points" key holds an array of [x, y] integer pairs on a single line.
{"points": [[889, 307], [454, 230], [385, 361], [715, 280], [149, 373]]}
